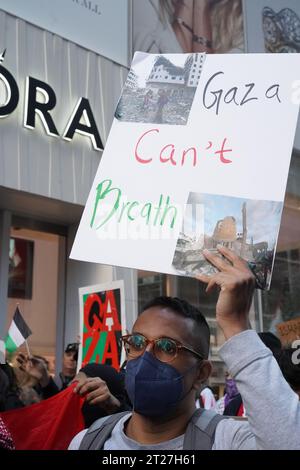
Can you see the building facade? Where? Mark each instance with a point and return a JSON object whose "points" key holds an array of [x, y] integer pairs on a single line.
{"points": [[57, 102]]}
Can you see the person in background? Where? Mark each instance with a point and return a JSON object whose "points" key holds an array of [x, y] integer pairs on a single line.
{"points": [[38, 376], [231, 392], [205, 398], [6, 441], [289, 363], [162, 101], [235, 406], [9, 389], [147, 100], [35, 381], [69, 365], [104, 391]]}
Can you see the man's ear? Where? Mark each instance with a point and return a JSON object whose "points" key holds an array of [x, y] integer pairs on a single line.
{"points": [[204, 371]]}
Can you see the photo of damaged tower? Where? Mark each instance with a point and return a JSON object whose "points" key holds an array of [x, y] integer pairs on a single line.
{"points": [[250, 231], [226, 234]]}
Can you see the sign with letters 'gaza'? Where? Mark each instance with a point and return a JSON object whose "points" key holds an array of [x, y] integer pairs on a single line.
{"points": [[198, 155], [102, 323]]}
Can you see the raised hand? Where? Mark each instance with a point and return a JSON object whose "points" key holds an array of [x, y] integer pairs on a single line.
{"points": [[236, 283], [35, 367]]}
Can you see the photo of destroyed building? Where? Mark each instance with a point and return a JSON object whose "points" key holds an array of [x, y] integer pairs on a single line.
{"points": [[247, 227], [163, 94]]}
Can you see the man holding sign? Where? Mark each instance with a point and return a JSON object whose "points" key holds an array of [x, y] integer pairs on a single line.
{"points": [[167, 361], [209, 215]]}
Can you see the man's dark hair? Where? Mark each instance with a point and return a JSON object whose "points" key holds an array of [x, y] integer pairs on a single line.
{"points": [[201, 333], [73, 347]]}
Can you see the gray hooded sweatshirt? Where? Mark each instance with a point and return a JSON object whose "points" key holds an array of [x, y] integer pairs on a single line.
{"points": [[272, 408]]}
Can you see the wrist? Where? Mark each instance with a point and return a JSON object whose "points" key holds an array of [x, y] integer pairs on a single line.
{"points": [[203, 41], [233, 329], [113, 404], [183, 24]]}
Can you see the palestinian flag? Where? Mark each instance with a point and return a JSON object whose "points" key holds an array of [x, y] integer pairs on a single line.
{"points": [[48, 425], [18, 332]]}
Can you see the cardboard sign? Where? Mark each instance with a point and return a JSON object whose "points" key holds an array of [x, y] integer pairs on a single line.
{"points": [[198, 155], [289, 331], [102, 323]]}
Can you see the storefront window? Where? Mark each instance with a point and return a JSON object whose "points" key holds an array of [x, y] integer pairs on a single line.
{"points": [[150, 285], [20, 268], [282, 302], [33, 287]]}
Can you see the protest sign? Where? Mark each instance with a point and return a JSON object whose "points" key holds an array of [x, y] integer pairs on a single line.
{"points": [[289, 331], [102, 323], [198, 155]]}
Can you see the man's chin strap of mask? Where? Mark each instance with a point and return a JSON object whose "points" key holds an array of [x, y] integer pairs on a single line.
{"points": [[154, 387]]}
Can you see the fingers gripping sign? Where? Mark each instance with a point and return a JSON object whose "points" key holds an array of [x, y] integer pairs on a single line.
{"points": [[236, 283], [96, 392]]}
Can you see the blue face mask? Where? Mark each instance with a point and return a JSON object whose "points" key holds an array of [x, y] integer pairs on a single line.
{"points": [[153, 387]]}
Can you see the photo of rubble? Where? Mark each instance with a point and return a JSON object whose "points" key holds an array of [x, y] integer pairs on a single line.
{"points": [[162, 90], [246, 226]]}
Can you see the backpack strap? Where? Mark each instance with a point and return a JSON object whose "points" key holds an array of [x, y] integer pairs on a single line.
{"points": [[100, 431], [200, 433]]}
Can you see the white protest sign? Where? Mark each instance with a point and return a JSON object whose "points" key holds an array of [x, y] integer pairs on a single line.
{"points": [[198, 155]]}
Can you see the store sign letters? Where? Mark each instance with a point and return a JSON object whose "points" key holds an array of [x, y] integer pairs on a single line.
{"points": [[40, 99]]}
